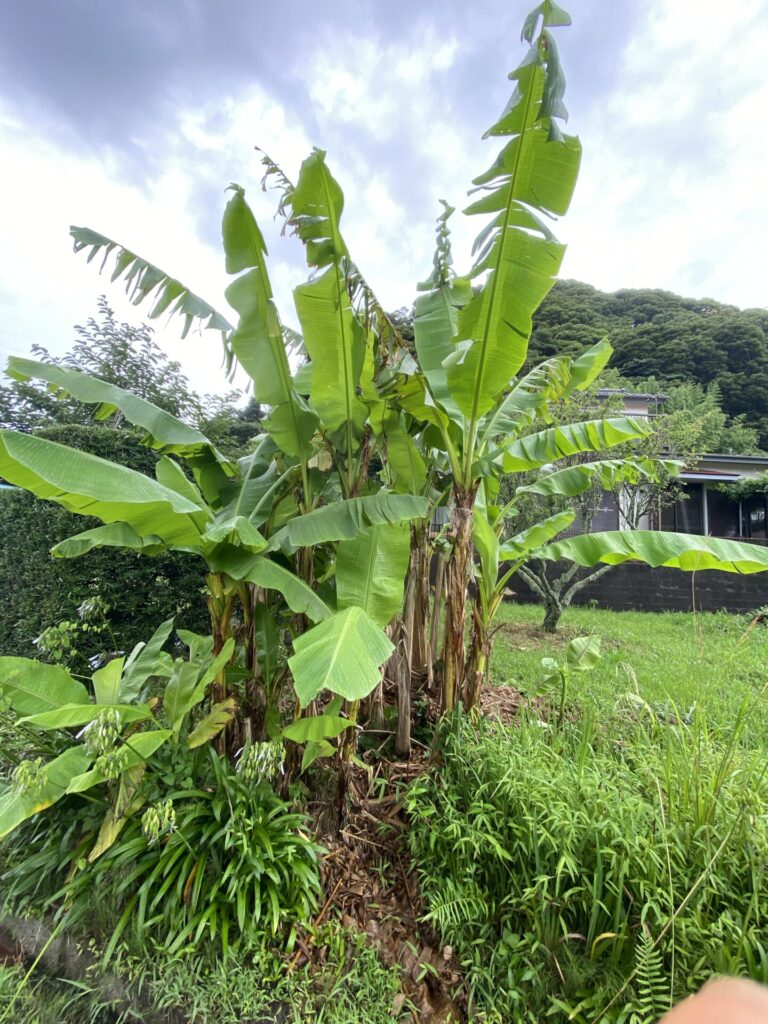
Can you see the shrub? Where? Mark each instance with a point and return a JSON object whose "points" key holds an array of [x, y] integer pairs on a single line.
{"points": [[227, 859], [39, 591], [546, 859]]}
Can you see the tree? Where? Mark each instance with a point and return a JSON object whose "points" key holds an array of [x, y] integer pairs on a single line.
{"points": [[127, 356], [659, 335], [120, 353]]}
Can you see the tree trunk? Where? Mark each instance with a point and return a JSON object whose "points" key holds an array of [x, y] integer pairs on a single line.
{"points": [[479, 656], [420, 663], [349, 743], [554, 610], [220, 610], [255, 704], [456, 598], [401, 663], [375, 709]]}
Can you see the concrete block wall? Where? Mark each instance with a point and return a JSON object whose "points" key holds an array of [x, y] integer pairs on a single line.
{"points": [[636, 587]]}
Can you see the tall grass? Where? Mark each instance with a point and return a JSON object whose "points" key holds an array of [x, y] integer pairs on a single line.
{"points": [[577, 874]]}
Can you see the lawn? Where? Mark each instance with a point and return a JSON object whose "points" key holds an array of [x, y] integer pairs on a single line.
{"points": [[712, 660]]}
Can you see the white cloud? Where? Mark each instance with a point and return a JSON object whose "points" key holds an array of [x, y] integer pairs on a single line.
{"points": [[671, 193]]}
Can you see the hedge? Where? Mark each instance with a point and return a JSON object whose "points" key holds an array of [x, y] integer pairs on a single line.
{"points": [[40, 591]]}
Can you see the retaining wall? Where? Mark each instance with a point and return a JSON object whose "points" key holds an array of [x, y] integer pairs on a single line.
{"points": [[636, 587]]}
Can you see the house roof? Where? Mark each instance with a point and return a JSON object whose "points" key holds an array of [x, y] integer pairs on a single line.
{"points": [[724, 468], [750, 460]]}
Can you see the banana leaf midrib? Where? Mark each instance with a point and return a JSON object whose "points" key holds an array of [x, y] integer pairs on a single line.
{"points": [[371, 564], [522, 145], [285, 377], [346, 354]]}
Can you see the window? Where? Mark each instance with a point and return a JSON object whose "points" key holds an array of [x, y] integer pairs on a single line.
{"points": [[686, 515], [755, 516], [722, 515]]}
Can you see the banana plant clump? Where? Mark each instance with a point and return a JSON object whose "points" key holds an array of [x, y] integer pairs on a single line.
{"points": [[315, 550]]}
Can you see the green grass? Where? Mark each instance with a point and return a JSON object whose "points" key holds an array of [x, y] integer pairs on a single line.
{"points": [[712, 660], [352, 986], [599, 869]]}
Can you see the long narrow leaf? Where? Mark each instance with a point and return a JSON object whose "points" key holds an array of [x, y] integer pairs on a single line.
{"points": [[115, 535], [570, 439], [143, 279], [436, 317], [550, 381], [678, 550], [533, 177], [603, 473], [162, 431], [258, 342], [333, 335], [88, 485], [535, 537], [345, 519]]}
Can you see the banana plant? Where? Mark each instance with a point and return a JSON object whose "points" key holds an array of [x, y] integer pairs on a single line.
{"points": [[472, 332], [111, 730], [323, 419], [272, 522], [232, 516], [472, 336], [501, 443], [581, 655], [498, 560]]}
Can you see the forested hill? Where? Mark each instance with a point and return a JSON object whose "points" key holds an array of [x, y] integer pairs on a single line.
{"points": [[659, 334]]}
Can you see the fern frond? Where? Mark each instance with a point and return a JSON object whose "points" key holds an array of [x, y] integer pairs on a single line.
{"points": [[453, 906], [652, 999]]}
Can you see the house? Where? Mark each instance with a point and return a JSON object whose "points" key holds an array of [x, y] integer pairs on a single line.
{"points": [[703, 508]]}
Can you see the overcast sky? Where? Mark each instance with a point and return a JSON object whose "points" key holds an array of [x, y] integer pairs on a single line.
{"points": [[132, 118]]}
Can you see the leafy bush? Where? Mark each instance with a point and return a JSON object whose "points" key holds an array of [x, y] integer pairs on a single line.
{"points": [[152, 828], [40, 591], [547, 857], [226, 859]]}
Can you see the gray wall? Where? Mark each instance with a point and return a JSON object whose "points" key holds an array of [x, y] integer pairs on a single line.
{"points": [[636, 587]]}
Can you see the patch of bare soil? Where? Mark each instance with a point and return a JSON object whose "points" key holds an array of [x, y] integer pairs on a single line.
{"points": [[368, 879], [504, 704], [524, 636]]}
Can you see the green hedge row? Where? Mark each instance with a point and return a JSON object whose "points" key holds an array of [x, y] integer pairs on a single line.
{"points": [[39, 591]]}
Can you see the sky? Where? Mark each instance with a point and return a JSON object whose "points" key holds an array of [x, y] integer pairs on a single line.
{"points": [[133, 118]]}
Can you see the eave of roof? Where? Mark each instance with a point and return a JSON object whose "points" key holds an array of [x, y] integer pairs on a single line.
{"points": [[748, 460]]}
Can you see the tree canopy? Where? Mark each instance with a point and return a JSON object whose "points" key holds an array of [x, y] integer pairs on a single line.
{"points": [[659, 335], [127, 356]]}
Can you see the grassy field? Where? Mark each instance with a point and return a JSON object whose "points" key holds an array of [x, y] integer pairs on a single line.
{"points": [[712, 660]]}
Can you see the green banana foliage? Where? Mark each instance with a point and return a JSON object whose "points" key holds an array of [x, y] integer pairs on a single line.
{"points": [[258, 341], [143, 280], [677, 550], [302, 535], [113, 735]]}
